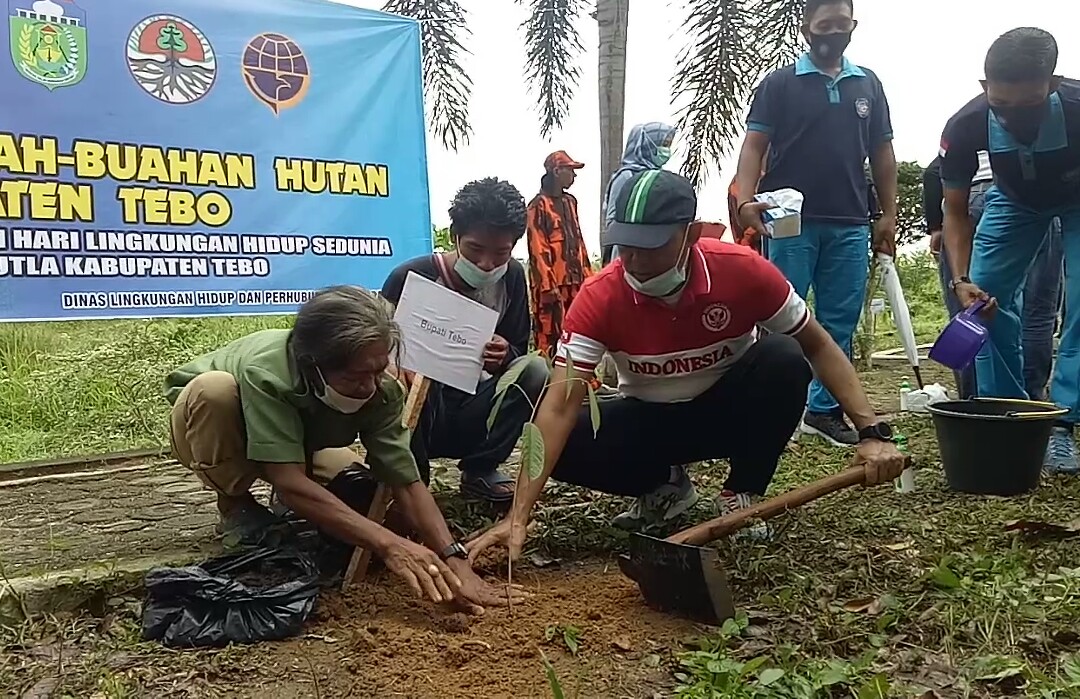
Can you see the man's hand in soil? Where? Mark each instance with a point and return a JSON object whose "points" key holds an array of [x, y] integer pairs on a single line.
{"points": [[495, 353], [474, 593], [506, 533], [422, 569]]}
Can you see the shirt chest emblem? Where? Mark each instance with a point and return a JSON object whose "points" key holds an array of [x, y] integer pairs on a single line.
{"points": [[716, 317], [862, 107]]}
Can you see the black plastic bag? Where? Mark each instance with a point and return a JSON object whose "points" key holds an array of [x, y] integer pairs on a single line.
{"points": [[209, 605]]}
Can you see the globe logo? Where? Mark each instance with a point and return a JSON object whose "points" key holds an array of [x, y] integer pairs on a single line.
{"points": [[276, 71]]}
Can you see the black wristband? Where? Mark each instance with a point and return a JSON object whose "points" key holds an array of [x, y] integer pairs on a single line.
{"points": [[454, 550]]}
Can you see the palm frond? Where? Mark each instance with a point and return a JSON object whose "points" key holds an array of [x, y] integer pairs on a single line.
{"points": [[712, 81], [447, 88], [553, 53], [775, 27]]}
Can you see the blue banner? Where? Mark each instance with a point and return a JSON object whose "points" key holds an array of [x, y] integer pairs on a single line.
{"points": [[201, 157]]}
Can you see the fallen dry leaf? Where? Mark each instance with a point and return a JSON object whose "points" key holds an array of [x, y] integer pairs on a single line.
{"points": [[1048, 529], [623, 643], [900, 546], [870, 605]]}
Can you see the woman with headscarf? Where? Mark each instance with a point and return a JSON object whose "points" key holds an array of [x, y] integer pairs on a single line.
{"points": [[558, 261], [648, 147]]}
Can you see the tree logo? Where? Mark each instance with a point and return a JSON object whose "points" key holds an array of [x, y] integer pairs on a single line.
{"points": [[171, 59], [276, 71], [48, 41]]}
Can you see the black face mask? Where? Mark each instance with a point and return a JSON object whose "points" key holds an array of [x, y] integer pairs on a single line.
{"points": [[1023, 122], [829, 47]]}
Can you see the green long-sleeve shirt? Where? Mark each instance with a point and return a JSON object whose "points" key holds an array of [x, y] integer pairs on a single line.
{"points": [[286, 422]]}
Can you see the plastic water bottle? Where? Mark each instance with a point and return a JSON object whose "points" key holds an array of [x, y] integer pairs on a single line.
{"points": [[905, 389], [906, 482]]}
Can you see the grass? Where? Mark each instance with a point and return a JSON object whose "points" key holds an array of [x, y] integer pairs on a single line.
{"points": [[867, 594], [90, 387]]}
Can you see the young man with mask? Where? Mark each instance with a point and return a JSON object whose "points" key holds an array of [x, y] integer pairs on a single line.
{"points": [[1042, 291], [1028, 120], [648, 147], [285, 406], [681, 316], [819, 120], [487, 218]]}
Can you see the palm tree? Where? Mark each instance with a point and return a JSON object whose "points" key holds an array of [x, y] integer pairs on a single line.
{"points": [[612, 18], [731, 43]]}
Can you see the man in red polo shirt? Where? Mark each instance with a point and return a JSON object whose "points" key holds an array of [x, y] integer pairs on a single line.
{"points": [[681, 316]]}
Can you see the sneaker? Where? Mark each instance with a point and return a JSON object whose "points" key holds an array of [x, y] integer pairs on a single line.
{"points": [[728, 502], [663, 504], [1061, 452], [605, 392], [832, 427]]}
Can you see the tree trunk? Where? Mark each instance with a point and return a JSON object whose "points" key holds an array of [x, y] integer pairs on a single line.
{"points": [[612, 16]]}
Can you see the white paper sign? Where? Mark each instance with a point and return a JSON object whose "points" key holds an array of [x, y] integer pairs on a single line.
{"points": [[444, 333]]}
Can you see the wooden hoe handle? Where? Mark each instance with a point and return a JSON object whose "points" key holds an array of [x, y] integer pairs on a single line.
{"points": [[767, 509]]}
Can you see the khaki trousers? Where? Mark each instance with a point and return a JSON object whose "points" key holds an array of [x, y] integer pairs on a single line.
{"points": [[208, 437]]}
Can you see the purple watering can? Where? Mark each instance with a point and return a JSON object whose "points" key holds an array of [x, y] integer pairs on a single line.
{"points": [[961, 340]]}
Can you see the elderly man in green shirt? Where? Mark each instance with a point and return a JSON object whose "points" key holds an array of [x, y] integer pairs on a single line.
{"points": [[285, 406]]}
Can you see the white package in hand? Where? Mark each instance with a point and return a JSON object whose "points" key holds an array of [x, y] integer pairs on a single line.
{"points": [[784, 219]]}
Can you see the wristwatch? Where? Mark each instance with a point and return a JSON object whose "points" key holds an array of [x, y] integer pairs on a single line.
{"points": [[959, 280], [880, 431], [454, 550]]}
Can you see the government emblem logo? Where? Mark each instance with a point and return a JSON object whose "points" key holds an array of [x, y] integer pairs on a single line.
{"points": [[48, 41], [862, 107]]}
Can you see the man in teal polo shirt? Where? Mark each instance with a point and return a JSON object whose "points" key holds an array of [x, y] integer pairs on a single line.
{"points": [[819, 120], [285, 406], [1028, 120]]}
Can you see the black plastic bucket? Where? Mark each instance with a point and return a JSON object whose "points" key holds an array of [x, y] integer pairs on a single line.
{"points": [[993, 446]]}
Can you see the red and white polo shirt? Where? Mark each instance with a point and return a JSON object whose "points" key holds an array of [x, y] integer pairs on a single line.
{"points": [[673, 352]]}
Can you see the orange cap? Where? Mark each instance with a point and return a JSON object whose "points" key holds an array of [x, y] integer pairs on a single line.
{"points": [[560, 159]]}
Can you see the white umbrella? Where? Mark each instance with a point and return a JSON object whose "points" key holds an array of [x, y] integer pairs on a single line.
{"points": [[901, 315]]}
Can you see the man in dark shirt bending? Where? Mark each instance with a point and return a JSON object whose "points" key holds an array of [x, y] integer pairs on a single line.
{"points": [[1042, 291], [487, 218], [1028, 120]]}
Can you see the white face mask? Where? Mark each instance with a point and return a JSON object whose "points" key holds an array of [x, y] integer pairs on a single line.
{"points": [[474, 276], [339, 401], [664, 284]]}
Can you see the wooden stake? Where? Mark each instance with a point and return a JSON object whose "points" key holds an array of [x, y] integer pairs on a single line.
{"points": [[361, 557]]}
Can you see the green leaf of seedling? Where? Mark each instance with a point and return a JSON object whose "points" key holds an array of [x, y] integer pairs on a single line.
{"points": [[495, 407], [553, 680], [510, 376], [876, 688], [770, 676], [572, 638], [569, 374], [751, 666], [594, 411], [943, 577], [532, 450]]}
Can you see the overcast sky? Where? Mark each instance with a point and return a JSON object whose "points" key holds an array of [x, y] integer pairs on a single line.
{"points": [[928, 54]]}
